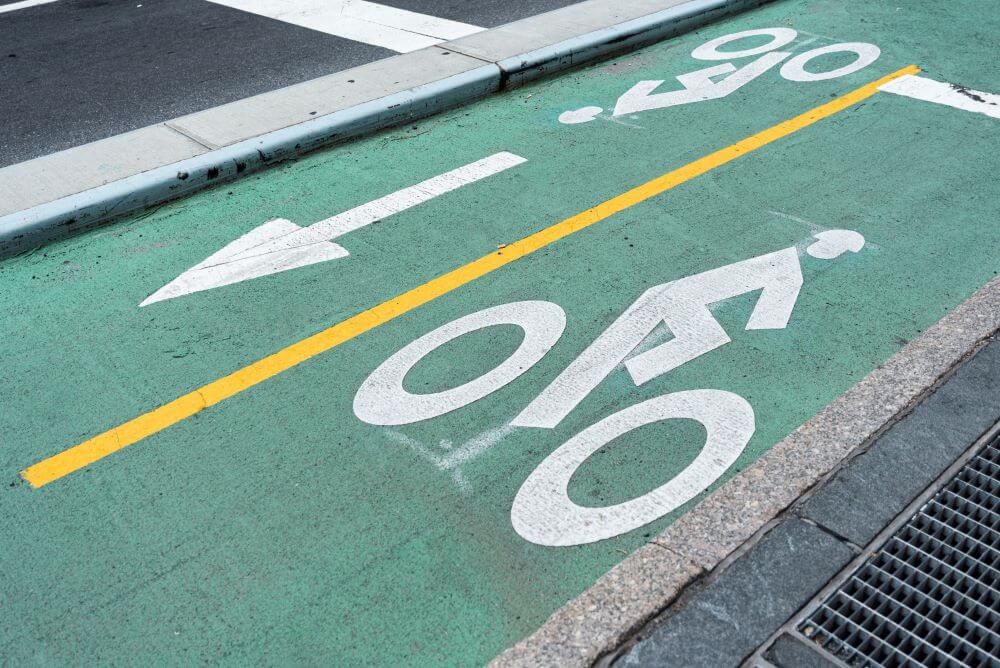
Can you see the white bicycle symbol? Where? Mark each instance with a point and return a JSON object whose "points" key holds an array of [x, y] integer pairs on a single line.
{"points": [[700, 85]]}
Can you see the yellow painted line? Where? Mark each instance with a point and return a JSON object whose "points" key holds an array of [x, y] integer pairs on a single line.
{"points": [[135, 430]]}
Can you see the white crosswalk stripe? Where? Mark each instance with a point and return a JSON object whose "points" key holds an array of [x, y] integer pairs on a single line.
{"points": [[24, 4], [380, 25]]}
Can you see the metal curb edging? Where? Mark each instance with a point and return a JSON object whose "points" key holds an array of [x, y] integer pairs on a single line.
{"points": [[729, 521], [27, 229]]}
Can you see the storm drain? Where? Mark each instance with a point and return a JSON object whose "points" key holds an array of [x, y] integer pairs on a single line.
{"points": [[931, 595]]}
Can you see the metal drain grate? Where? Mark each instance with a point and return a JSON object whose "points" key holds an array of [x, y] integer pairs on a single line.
{"points": [[931, 595]]}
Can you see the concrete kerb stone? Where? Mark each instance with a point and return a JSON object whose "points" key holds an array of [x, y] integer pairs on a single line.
{"points": [[608, 613], [739, 513], [71, 191], [53, 220], [522, 68]]}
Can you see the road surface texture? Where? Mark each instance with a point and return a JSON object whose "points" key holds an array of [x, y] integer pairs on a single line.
{"points": [[76, 71], [321, 415]]}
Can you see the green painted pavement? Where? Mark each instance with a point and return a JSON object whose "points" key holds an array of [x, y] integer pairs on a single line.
{"points": [[278, 527]]}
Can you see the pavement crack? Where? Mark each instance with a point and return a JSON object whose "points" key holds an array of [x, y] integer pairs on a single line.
{"points": [[662, 546]]}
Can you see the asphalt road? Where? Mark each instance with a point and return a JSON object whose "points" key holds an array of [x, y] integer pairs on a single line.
{"points": [[75, 71]]}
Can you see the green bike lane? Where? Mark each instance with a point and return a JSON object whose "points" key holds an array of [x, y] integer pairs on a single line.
{"points": [[278, 525]]}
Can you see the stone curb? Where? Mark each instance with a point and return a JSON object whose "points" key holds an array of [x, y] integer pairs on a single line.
{"points": [[54, 196], [733, 518]]}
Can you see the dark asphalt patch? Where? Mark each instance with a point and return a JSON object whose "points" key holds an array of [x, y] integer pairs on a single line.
{"points": [[78, 71], [485, 13]]}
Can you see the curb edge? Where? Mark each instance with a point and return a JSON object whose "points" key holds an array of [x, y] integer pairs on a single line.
{"points": [[587, 630], [25, 230]]}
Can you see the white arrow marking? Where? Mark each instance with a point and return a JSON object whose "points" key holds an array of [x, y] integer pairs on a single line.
{"points": [[698, 86], [280, 245], [939, 92]]}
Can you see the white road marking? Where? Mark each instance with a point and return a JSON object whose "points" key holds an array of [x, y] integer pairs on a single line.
{"points": [[280, 245], [940, 92], [710, 50], [683, 305], [698, 86], [542, 511], [833, 243], [582, 115], [391, 28], [701, 85], [383, 400], [795, 69], [456, 456], [24, 4], [544, 514]]}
